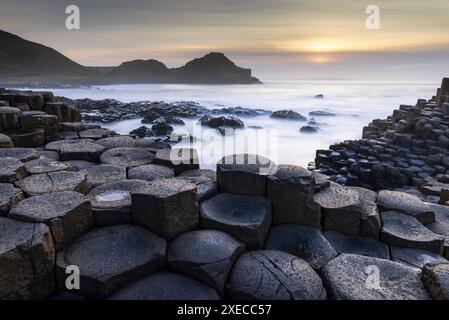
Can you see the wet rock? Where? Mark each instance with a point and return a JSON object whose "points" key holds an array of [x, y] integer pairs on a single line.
{"points": [[291, 191], [288, 115], [348, 278], [44, 165], [319, 96], [127, 157], [83, 150], [321, 113], [304, 242], [308, 129], [170, 120], [11, 170], [180, 159], [244, 217], [5, 141], [22, 154], [405, 203], [244, 174], [415, 257], [39, 184], [158, 207], [165, 286], [357, 245], [96, 134], [436, 279], [150, 117], [223, 121], [64, 112], [104, 173], [142, 132], [67, 214], [26, 260], [111, 202], [205, 255], [204, 180], [274, 275], [35, 119], [77, 165], [9, 118], [9, 196], [152, 145], [151, 172], [405, 231], [111, 257], [161, 129]]}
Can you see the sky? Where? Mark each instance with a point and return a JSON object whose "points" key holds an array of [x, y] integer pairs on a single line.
{"points": [[278, 39]]}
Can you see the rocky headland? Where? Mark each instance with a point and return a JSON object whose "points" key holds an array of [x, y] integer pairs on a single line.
{"points": [[140, 219]]}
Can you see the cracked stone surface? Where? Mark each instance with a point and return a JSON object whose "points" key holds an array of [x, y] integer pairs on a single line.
{"points": [[205, 255], [357, 245], [78, 165], [39, 184], [128, 157], [355, 277], [117, 142], [151, 172], [111, 257], [407, 204], [111, 202], [204, 180], [180, 159], [68, 214], [291, 190], [166, 286], [57, 145], [9, 196], [22, 154], [304, 242], [11, 169], [95, 134], [436, 279], [274, 275], [26, 260], [48, 154], [402, 230], [167, 207], [415, 257], [105, 173], [45, 165], [248, 218], [371, 223], [244, 174], [83, 150]]}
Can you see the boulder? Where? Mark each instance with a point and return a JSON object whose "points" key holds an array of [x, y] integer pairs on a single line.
{"points": [[151, 172], [205, 255], [407, 204], [165, 286], [357, 245], [142, 132], [248, 218], [45, 165], [273, 275], [167, 207], [402, 230], [83, 150], [111, 202], [11, 170], [150, 116], [436, 279], [223, 121], [415, 257], [308, 129], [204, 180], [9, 196], [152, 145], [6, 141], [22, 154], [304, 242], [9, 118], [291, 191], [244, 174], [104, 173], [109, 258], [127, 157], [67, 214], [355, 277], [288, 115], [161, 129], [96, 134], [26, 260], [180, 159], [27, 138], [320, 113], [117, 142], [52, 182]]}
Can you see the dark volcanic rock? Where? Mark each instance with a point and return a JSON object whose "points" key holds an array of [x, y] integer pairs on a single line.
{"points": [[354, 277], [9, 196], [158, 208], [274, 275], [128, 157], [117, 142], [246, 218], [205, 255], [304, 242], [104, 173], [5, 141], [288, 114], [44, 165], [11, 170], [151, 172], [223, 121], [436, 280], [96, 134], [142, 132], [415, 257], [27, 138], [68, 214], [204, 180], [161, 129], [26, 260], [83, 150], [180, 159], [166, 286], [39, 184], [321, 113], [9, 118], [357, 245], [57, 145], [111, 257], [308, 129], [77, 165], [22, 154]]}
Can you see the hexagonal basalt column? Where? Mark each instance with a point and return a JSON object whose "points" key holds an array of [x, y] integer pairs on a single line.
{"points": [[64, 112], [180, 159], [82, 150], [9, 196], [9, 118], [22, 154], [128, 157], [11, 170], [168, 207]]}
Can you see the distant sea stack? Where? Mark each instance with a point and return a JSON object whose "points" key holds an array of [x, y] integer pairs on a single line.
{"points": [[26, 62]]}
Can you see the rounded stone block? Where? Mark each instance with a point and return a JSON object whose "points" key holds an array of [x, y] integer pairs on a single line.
{"points": [[96, 134], [57, 145], [103, 173], [45, 165], [304, 242], [204, 180], [244, 174], [9, 118], [27, 138], [205, 255], [167, 207], [357, 245], [117, 142], [11, 170], [39, 184], [128, 157], [22, 154], [83, 150], [274, 275], [68, 214], [5, 141], [248, 218], [109, 258], [436, 279], [151, 172], [165, 286], [9, 196], [180, 159], [415, 257], [63, 111]]}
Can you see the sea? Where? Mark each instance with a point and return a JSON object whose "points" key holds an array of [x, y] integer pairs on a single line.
{"points": [[355, 104]]}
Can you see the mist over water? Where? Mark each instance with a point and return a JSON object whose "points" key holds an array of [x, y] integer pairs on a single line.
{"points": [[355, 103]]}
